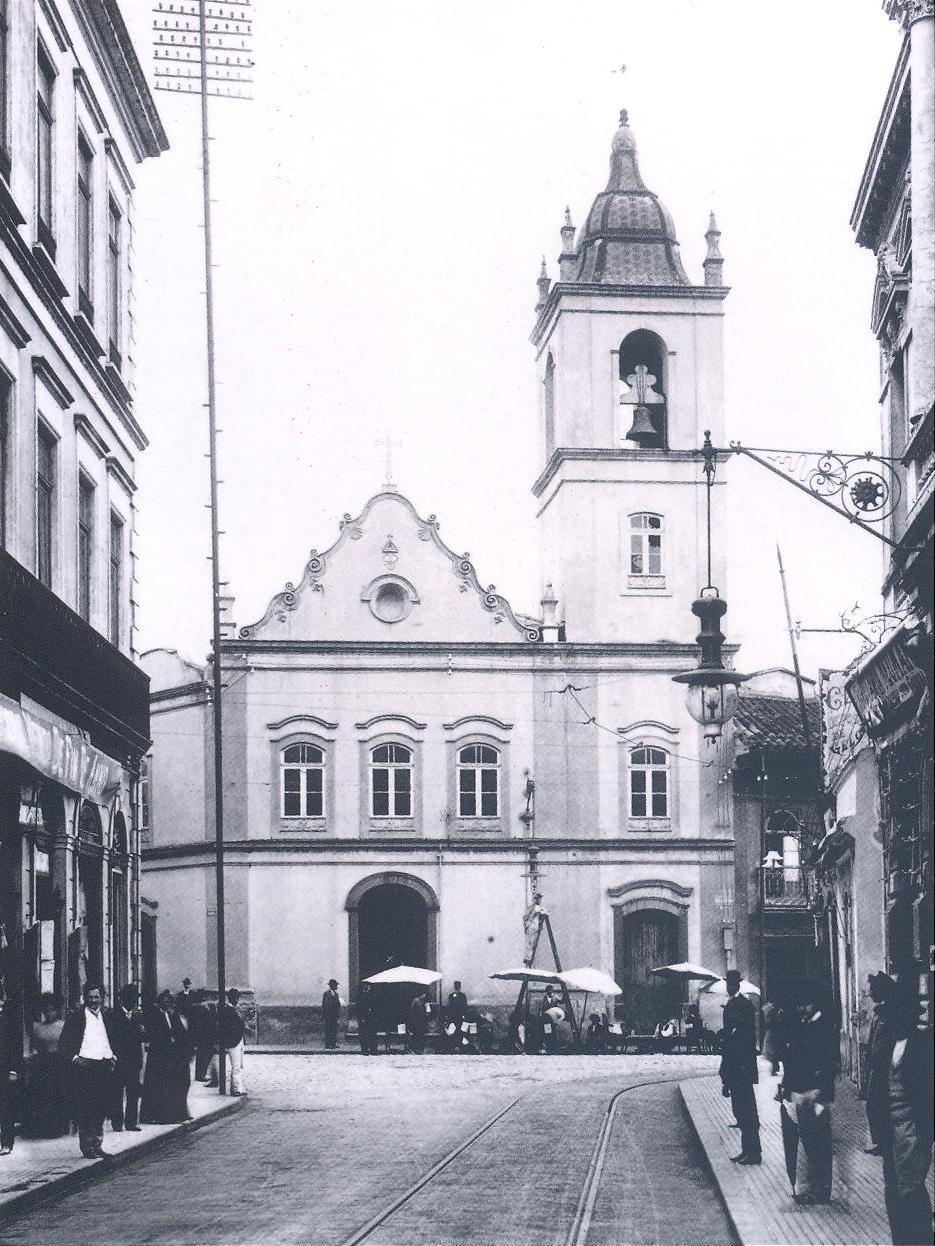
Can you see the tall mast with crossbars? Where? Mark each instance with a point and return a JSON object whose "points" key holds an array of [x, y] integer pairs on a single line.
{"points": [[204, 48]]}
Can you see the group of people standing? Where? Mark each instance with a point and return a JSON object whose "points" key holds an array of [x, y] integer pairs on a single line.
{"points": [[460, 1031], [125, 1064], [802, 1042]]}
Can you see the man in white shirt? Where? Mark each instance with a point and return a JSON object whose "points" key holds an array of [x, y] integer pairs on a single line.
{"points": [[86, 1047]]}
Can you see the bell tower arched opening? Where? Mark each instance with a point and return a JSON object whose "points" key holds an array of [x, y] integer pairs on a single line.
{"points": [[642, 362]]}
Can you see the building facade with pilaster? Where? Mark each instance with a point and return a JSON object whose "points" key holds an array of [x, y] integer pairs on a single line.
{"points": [[75, 117], [891, 686]]}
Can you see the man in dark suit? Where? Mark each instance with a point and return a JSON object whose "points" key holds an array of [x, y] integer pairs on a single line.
{"points": [[11, 1060], [738, 1069], [127, 1038], [330, 1010], [88, 1053]]}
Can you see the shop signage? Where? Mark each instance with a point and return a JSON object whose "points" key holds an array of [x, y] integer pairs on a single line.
{"points": [[886, 688], [68, 759], [842, 731]]}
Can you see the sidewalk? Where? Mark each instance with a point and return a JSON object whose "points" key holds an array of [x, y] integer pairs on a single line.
{"points": [[759, 1199], [41, 1168]]}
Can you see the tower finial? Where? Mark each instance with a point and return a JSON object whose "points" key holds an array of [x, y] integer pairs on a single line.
{"points": [[714, 261], [544, 284], [567, 259]]}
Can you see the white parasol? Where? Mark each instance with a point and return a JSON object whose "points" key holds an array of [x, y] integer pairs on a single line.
{"points": [[719, 987], [410, 975]]}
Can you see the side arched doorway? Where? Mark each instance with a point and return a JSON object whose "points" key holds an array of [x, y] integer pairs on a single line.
{"points": [[391, 921], [644, 939]]}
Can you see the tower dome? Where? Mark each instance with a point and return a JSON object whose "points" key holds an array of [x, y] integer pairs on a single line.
{"points": [[628, 238]]}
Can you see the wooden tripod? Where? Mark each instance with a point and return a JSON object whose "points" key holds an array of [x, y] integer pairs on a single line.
{"points": [[522, 1001]]}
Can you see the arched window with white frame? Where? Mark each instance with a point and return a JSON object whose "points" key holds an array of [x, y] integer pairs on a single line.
{"points": [[391, 781], [478, 781], [650, 795], [303, 781], [646, 545]]}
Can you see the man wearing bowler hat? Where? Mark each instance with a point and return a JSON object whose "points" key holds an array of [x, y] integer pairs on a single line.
{"points": [[738, 1068], [330, 1010]]}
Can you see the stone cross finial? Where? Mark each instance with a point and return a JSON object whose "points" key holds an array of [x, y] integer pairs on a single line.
{"points": [[387, 443]]}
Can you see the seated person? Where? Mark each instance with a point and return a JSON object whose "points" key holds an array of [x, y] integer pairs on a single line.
{"points": [[695, 1028], [665, 1034], [595, 1038]]}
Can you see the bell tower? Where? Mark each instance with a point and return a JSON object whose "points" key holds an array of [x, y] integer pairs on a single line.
{"points": [[630, 367]]}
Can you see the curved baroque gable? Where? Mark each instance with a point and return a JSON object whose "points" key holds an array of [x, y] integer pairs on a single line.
{"points": [[352, 529]]}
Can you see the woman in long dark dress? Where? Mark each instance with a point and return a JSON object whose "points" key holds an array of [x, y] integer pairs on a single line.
{"points": [[168, 1065], [47, 1101]]}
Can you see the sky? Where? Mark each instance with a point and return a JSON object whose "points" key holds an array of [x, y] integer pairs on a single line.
{"points": [[381, 207]]}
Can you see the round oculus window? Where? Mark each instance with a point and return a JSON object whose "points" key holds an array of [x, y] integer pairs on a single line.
{"points": [[391, 602]]}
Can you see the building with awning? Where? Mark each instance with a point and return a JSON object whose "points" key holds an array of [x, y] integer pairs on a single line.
{"points": [[74, 706]]}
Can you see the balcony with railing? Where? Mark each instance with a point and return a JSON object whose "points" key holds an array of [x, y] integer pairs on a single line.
{"points": [[784, 887]]}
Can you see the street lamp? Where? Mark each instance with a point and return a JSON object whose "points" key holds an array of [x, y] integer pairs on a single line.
{"points": [[713, 695]]}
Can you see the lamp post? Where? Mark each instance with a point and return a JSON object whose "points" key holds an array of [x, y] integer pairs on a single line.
{"points": [[713, 695]]}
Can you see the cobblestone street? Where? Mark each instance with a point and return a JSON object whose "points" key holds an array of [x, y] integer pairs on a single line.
{"points": [[327, 1145]]}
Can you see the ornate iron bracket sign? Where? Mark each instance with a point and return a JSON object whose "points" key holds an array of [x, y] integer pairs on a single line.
{"points": [[873, 629], [864, 488]]}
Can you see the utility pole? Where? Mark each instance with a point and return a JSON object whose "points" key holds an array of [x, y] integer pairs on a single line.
{"points": [[204, 48]]}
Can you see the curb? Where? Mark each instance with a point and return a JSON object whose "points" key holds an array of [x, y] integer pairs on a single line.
{"points": [[721, 1172], [14, 1206]]}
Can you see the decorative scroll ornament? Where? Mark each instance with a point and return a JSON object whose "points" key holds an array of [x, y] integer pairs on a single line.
{"points": [[906, 12], [864, 488]]}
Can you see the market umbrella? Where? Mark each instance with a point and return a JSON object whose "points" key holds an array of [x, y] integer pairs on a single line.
{"points": [[685, 969], [719, 987], [409, 975], [591, 981], [527, 974]]}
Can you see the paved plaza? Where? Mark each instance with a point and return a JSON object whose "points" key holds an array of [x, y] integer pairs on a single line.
{"points": [[327, 1148]]}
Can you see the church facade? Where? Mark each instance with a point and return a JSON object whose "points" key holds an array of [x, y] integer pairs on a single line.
{"points": [[408, 757]]}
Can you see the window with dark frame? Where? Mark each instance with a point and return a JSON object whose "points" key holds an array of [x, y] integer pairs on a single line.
{"points": [[114, 260], [478, 782], [45, 144], [85, 544], [649, 783], [85, 224], [116, 580], [646, 544], [391, 781], [46, 449], [302, 794]]}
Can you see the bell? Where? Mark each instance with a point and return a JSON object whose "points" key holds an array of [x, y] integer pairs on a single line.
{"points": [[642, 430]]}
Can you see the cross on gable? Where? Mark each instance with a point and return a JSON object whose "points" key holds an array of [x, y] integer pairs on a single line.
{"points": [[387, 443]]}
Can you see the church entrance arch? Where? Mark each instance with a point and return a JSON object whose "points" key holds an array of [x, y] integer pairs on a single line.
{"points": [[644, 939], [391, 921]]}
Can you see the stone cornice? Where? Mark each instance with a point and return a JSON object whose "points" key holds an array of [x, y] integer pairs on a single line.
{"points": [[888, 151], [17, 333], [563, 289], [87, 430], [607, 454], [105, 32], [49, 377], [316, 845]]}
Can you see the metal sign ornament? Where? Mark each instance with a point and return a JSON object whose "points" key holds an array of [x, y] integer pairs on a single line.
{"points": [[865, 488]]}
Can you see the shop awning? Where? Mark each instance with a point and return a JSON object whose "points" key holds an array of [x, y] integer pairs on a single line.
{"points": [[58, 754]]}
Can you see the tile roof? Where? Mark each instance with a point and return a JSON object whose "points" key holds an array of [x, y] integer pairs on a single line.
{"points": [[776, 722]]}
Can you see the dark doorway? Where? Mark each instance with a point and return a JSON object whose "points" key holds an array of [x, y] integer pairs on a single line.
{"points": [[393, 929], [643, 941]]}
